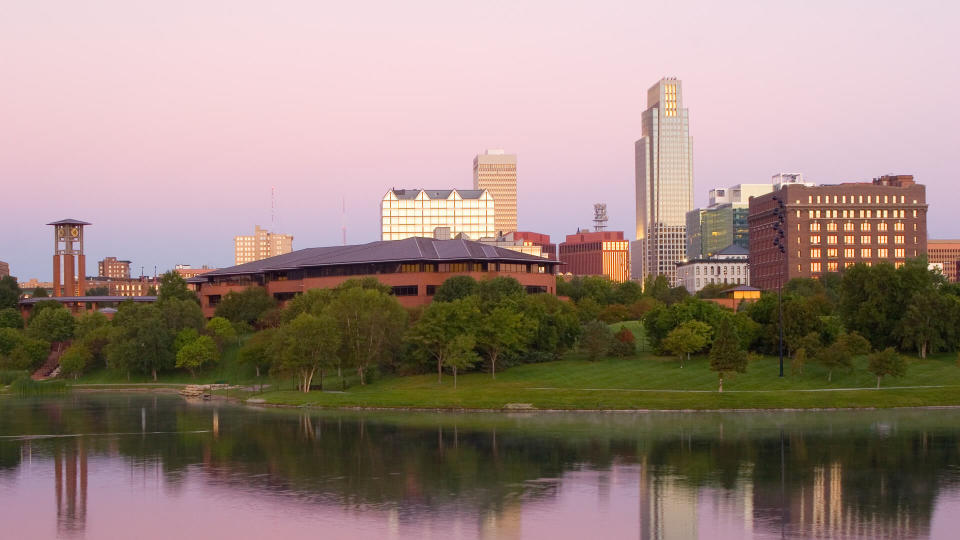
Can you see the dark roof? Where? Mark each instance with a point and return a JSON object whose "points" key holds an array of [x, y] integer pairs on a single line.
{"points": [[734, 249], [741, 288], [98, 299], [69, 222], [410, 249]]}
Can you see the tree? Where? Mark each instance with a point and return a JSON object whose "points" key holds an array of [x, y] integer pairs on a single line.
{"points": [[307, 345], [455, 288], [726, 356], [313, 302], [142, 340], [28, 353], [797, 362], [922, 324], [179, 313], [173, 286], [460, 354], [371, 324], [833, 357], [9, 292], [42, 306], [221, 331], [596, 340], [52, 325], [853, 343], [98, 291], [440, 323], [494, 291], [258, 350], [89, 322], [628, 293], [687, 338], [886, 362], [246, 306], [657, 287], [39, 292], [614, 313], [10, 318], [624, 343], [556, 326], [75, 360], [196, 354], [588, 309], [503, 331], [185, 336]]}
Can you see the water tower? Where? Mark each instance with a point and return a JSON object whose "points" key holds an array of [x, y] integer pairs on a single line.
{"points": [[68, 252]]}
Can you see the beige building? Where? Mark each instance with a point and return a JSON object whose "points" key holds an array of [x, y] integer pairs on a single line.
{"points": [[496, 172], [514, 242], [112, 268], [261, 245], [405, 213]]}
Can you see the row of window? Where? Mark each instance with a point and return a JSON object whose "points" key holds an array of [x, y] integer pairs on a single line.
{"points": [[834, 266], [865, 239], [850, 226], [857, 199], [850, 253], [851, 214]]}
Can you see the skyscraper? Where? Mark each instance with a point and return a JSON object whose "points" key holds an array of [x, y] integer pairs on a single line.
{"points": [[261, 245], [664, 176], [496, 172]]}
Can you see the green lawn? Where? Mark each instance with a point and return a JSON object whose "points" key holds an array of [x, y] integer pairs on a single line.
{"points": [[642, 382]]}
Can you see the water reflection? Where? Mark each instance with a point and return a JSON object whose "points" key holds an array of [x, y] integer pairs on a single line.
{"points": [[162, 466]]}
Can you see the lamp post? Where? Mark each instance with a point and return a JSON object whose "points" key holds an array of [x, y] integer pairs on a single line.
{"points": [[779, 240]]}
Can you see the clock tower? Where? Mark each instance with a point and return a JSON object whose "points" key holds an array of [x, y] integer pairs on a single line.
{"points": [[68, 252]]}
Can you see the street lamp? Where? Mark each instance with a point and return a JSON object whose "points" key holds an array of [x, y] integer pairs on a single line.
{"points": [[779, 240]]}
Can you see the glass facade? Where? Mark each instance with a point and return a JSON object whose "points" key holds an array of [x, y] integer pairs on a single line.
{"points": [[664, 182], [408, 213]]}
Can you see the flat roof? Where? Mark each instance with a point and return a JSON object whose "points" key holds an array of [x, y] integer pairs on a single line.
{"points": [[98, 299], [409, 249]]}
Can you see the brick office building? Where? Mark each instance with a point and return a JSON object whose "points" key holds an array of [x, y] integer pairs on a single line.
{"points": [[828, 228], [603, 253], [547, 248], [946, 253], [413, 267], [111, 267]]}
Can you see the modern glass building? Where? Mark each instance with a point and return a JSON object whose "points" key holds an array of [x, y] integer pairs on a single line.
{"points": [[405, 213], [664, 183], [724, 223]]}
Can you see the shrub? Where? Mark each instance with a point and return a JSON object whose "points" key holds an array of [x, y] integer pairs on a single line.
{"points": [[75, 360], [7, 376], [10, 318], [596, 339], [623, 344]]}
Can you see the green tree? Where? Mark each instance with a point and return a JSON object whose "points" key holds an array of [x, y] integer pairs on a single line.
{"points": [[142, 340], [371, 324], [726, 356], [28, 353], [179, 313], [657, 287], [628, 293], [455, 288], [689, 337], [887, 363], [9, 338], [197, 354], [258, 351], [503, 331], [98, 291], [39, 292], [245, 306], [588, 309], [833, 357], [314, 302], [495, 291], [42, 306], [557, 327], [183, 337], [797, 362], [853, 343], [52, 325], [221, 331], [96, 341], [307, 346], [614, 313], [75, 360], [89, 322], [10, 318], [921, 326], [460, 355], [173, 286], [433, 333], [596, 340], [9, 292]]}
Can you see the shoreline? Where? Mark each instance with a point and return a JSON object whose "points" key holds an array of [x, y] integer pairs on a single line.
{"points": [[174, 389]]}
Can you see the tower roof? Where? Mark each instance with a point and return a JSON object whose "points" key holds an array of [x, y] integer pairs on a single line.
{"points": [[69, 222]]}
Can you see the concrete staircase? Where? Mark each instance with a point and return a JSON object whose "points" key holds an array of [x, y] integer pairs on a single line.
{"points": [[51, 366]]}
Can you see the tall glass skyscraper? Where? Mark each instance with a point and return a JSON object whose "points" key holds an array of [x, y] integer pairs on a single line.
{"points": [[664, 175]]}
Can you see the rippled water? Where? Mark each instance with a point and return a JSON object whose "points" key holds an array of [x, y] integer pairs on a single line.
{"points": [[155, 466]]}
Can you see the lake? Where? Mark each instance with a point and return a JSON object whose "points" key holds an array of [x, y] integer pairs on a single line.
{"points": [[153, 466]]}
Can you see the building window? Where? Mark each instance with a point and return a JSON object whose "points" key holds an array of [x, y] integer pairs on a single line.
{"points": [[814, 226], [213, 300], [898, 239], [882, 226], [848, 226], [815, 253], [815, 267], [815, 239], [864, 226], [848, 239], [898, 226], [849, 253], [899, 253], [832, 266], [865, 239], [431, 290], [866, 253], [405, 290], [832, 239], [882, 239], [832, 226], [882, 253], [536, 289]]}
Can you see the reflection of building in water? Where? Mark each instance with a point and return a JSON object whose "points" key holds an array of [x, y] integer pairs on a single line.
{"points": [[817, 509], [70, 469], [668, 507]]}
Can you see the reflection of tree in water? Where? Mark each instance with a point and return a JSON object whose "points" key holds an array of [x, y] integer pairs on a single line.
{"points": [[840, 474]]}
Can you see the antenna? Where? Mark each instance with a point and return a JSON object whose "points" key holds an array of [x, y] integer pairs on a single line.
{"points": [[343, 218], [599, 216]]}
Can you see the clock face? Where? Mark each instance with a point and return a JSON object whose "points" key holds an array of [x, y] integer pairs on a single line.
{"points": [[75, 232]]}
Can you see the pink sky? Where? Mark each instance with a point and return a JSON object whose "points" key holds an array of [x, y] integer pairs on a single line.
{"points": [[165, 124]]}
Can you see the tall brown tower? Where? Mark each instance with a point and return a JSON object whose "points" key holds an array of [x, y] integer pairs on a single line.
{"points": [[68, 251]]}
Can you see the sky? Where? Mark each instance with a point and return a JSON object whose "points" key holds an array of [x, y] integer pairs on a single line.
{"points": [[165, 124]]}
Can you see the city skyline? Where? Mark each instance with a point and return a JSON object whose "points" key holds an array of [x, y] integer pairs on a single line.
{"points": [[116, 121]]}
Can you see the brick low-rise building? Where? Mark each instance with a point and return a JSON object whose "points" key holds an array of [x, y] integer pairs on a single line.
{"points": [[413, 268], [830, 227], [947, 254], [602, 253], [111, 267]]}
